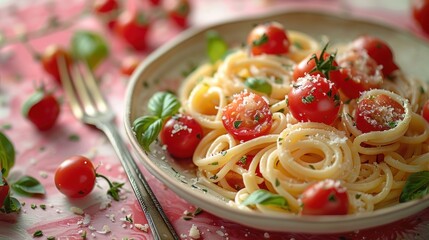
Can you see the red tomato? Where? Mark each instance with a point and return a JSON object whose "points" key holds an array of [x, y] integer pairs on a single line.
{"points": [[154, 2], [378, 50], [314, 99], [4, 192], [326, 197], [319, 63], [49, 59], [360, 73], [425, 111], [181, 134], [421, 13], [75, 177], [129, 64], [133, 27], [248, 116], [378, 113], [42, 109], [108, 10], [268, 38], [178, 12]]}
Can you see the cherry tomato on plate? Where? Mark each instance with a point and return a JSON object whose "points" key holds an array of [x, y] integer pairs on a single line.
{"points": [[75, 177], [326, 197], [49, 60], [420, 10], [378, 50], [425, 111], [181, 134], [178, 12], [360, 73], [107, 10], [248, 116], [133, 27], [314, 99], [268, 38], [42, 109], [378, 113], [320, 63], [4, 192]]}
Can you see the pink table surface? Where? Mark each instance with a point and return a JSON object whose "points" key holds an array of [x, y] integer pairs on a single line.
{"points": [[39, 153]]}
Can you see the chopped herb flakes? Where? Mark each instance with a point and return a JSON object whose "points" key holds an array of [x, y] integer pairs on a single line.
{"points": [[38, 233], [307, 99]]}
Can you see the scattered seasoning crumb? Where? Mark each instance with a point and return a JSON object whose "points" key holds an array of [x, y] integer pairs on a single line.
{"points": [[50, 238], [123, 210], [58, 211], [93, 235], [43, 206], [76, 210], [105, 204], [105, 230], [23, 204], [266, 235], [33, 206], [92, 228], [43, 174], [124, 225], [194, 233], [112, 217], [220, 233], [142, 227], [38, 233]]}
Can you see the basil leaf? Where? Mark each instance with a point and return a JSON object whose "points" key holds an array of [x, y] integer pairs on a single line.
{"points": [[216, 46], [89, 46], [163, 105], [265, 197], [151, 133], [10, 204], [141, 124], [417, 186], [258, 84], [28, 185], [7, 154]]}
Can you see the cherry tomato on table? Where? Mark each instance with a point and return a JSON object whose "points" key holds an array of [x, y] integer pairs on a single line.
{"points": [[107, 10], [42, 109], [314, 99], [178, 12], [378, 50], [420, 10], [248, 116], [268, 38], [326, 197], [360, 73], [320, 63], [378, 113], [132, 26], [75, 177], [4, 192], [50, 57], [181, 134]]}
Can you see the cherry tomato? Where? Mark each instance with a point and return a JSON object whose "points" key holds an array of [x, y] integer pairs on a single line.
{"points": [[107, 10], [378, 50], [178, 12], [248, 116], [49, 59], [326, 197], [4, 192], [155, 2], [360, 73], [75, 177], [133, 27], [421, 13], [268, 38], [181, 134], [42, 109], [378, 113], [314, 99], [425, 111], [320, 63], [129, 64]]}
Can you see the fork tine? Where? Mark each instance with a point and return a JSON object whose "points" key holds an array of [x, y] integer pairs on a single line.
{"points": [[68, 87], [94, 89], [84, 95]]}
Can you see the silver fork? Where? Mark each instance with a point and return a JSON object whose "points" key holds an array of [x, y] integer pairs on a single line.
{"points": [[89, 106]]}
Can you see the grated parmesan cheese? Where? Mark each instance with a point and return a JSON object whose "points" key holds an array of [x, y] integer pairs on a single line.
{"points": [[194, 233]]}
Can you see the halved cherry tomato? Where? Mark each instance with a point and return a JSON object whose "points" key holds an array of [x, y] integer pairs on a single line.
{"points": [[42, 109], [268, 38], [360, 73], [378, 50], [320, 63], [181, 134], [314, 99], [178, 12], [107, 10], [326, 197], [378, 113], [129, 64], [248, 116], [4, 192], [425, 111], [421, 13], [50, 57], [75, 177], [133, 27]]}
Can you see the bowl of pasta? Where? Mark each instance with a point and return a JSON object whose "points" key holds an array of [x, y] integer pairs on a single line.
{"points": [[282, 122]]}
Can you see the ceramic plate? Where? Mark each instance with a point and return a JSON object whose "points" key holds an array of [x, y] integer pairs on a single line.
{"points": [[162, 70]]}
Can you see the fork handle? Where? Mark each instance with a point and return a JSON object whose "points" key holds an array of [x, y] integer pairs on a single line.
{"points": [[159, 224]]}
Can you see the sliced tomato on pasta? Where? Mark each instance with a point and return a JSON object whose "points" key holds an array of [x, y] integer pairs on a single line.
{"points": [[248, 116], [378, 113]]}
